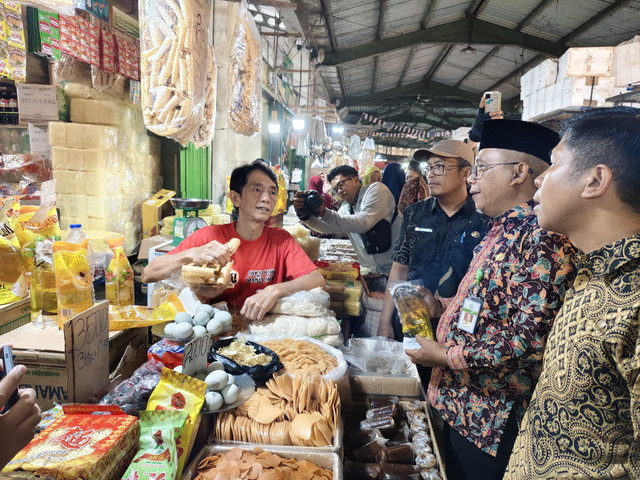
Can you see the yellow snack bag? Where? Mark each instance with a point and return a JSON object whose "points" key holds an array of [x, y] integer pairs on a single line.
{"points": [[134, 316], [119, 275], [180, 392], [13, 284], [35, 224], [74, 285]]}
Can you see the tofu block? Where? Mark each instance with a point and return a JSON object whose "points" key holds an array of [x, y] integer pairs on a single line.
{"points": [[63, 203], [78, 206], [100, 183], [57, 134], [66, 181], [60, 158], [74, 134], [104, 206], [80, 109], [99, 137], [99, 224], [75, 159]]}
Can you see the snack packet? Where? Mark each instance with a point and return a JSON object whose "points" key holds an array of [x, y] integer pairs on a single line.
{"points": [[13, 284], [34, 225], [157, 456], [74, 285], [180, 392], [414, 315], [119, 275], [134, 316]]}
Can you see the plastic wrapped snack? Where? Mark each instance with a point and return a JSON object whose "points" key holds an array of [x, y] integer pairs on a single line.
{"points": [[13, 285], [306, 303], [414, 315], [174, 51], [244, 76], [204, 135]]}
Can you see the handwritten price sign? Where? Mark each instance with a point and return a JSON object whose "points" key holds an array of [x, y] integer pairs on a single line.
{"points": [[195, 355], [87, 351]]}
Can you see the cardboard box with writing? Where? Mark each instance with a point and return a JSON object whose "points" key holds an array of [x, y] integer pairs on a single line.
{"points": [[152, 212], [14, 315], [72, 365]]}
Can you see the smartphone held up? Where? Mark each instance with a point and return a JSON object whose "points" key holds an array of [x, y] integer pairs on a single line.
{"points": [[492, 101]]}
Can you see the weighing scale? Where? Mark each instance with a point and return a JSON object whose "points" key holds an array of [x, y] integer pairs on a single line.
{"points": [[187, 224]]}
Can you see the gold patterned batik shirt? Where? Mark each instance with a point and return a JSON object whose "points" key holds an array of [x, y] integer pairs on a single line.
{"points": [[583, 421]]}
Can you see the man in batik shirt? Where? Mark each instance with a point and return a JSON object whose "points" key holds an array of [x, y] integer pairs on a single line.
{"points": [[491, 335], [584, 418]]}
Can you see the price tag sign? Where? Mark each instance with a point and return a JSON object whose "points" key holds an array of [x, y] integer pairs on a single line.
{"points": [[39, 139], [195, 355], [37, 102], [87, 352]]}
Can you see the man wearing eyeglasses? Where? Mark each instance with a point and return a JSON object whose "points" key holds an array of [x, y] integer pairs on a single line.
{"points": [[362, 208], [492, 333], [438, 234]]}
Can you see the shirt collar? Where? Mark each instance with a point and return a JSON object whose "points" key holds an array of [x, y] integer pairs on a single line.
{"points": [[611, 257], [467, 207], [513, 218]]}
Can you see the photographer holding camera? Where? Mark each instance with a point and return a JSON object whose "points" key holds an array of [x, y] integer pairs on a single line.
{"points": [[367, 214]]}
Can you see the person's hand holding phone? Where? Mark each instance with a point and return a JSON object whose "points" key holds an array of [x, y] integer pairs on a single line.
{"points": [[18, 423]]}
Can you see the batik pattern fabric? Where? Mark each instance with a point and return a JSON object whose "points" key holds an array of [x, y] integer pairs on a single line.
{"points": [[584, 418], [525, 273]]}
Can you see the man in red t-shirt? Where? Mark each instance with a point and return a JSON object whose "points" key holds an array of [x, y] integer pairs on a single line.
{"points": [[269, 262]]}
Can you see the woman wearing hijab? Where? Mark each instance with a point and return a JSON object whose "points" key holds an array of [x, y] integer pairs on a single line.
{"points": [[316, 183], [371, 175], [393, 178], [415, 188]]}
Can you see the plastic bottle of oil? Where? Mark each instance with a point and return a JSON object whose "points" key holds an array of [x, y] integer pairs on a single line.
{"points": [[44, 302]]}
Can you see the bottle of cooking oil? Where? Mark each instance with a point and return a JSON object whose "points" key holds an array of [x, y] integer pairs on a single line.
{"points": [[44, 302], [74, 285]]}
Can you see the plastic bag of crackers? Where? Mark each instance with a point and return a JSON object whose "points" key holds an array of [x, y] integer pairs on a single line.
{"points": [[89, 442]]}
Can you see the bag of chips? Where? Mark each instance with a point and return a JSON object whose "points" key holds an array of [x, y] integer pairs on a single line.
{"points": [[157, 456], [74, 285], [13, 284], [180, 392]]}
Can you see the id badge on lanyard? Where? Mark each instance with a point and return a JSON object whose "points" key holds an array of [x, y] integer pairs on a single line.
{"points": [[471, 308]]}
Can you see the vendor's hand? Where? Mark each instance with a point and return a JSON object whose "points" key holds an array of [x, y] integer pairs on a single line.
{"points": [[256, 306], [431, 354], [433, 305], [17, 425], [211, 253]]}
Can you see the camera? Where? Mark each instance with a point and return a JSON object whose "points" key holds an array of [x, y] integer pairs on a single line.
{"points": [[312, 202]]}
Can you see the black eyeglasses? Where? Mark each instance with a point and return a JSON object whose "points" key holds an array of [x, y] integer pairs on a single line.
{"points": [[438, 170], [340, 186], [478, 169]]}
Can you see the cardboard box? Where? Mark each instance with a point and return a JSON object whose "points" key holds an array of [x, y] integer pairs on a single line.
{"points": [[326, 460], [148, 245], [14, 315], [405, 387], [152, 212], [72, 365]]}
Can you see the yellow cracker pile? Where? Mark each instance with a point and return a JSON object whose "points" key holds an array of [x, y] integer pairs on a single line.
{"points": [[258, 464], [210, 274], [242, 353], [301, 411], [302, 358]]}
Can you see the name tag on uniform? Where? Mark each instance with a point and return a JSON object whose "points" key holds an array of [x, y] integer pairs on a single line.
{"points": [[469, 313], [425, 230]]}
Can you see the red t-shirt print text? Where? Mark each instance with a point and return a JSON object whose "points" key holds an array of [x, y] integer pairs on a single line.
{"points": [[260, 276]]}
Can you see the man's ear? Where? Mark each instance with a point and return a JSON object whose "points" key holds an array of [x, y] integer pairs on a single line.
{"points": [[519, 174], [597, 182], [235, 198]]}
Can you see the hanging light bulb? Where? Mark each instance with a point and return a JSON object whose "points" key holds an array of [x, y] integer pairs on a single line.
{"points": [[468, 50], [337, 129], [298, 123], [271, 21], [259, 18], [282, 26], [274, 125]]}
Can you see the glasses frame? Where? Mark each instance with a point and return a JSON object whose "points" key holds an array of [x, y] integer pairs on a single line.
{"points": [[478, 170], [341, 184], [440, 167]]}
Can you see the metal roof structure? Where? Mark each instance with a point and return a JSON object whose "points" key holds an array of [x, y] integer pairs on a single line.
{"points": [[423, 64]]}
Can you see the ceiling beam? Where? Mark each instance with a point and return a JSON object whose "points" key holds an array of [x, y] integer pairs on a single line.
{"points": [[437, 63], [407, 64], [533, 14], [332, 40], [430, 6], [427, 88], [594, 20], [436, 122], [478, 65], [468, 30], [381, 13]]}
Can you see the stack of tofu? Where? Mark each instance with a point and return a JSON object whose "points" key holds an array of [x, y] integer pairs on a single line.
{"points": [[582, 78], [105, 165]]}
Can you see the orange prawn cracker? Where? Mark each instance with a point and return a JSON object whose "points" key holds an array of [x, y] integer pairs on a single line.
{"points": [[89, 442], [302, 358], [258, 464], [180, 392]]}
